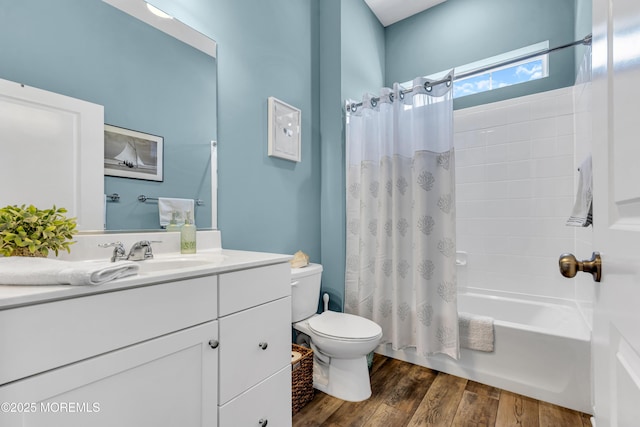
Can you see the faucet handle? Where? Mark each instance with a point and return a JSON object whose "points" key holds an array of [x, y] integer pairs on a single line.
{"points": [[118, 250], [143, 246]]}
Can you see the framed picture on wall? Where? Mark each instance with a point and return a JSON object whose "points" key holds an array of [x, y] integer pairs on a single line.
{"points": [[132, 154], [284, 130]]}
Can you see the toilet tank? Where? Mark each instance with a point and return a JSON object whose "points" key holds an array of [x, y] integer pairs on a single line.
{"points": [[305, 291]]}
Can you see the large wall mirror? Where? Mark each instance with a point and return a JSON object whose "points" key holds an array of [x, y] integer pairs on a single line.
{"points": [[147, 81]]}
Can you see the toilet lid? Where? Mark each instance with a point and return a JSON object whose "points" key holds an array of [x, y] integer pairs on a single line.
{"points": [[344, 326]]}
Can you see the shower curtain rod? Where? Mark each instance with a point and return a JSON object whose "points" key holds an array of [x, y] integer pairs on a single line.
{"points": [[352, 107]]}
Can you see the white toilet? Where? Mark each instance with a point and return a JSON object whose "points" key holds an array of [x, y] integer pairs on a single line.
{"points": [[340, 341]]}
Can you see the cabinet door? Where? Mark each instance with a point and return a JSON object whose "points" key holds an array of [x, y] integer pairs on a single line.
{"points": [[244, 362], [167, 381], [268, 404]]}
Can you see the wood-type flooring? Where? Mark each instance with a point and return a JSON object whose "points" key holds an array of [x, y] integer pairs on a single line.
{"points": [[404, 394]]}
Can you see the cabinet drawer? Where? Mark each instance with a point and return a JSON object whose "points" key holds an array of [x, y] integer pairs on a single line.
{"points": [[247, 288], [243, 362], [40, 337], [269, 401]]}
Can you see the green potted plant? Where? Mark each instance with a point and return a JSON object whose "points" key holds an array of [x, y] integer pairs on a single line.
{"points": [[29, 231]]}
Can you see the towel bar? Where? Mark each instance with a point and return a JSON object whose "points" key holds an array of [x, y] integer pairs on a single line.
{"points": [[142, 198]]}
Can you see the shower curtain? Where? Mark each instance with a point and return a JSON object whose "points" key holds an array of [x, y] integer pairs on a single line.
{"points": [[400, 259]]}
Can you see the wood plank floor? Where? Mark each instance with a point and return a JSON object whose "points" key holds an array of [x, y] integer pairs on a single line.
{"points": [[409, 395]]}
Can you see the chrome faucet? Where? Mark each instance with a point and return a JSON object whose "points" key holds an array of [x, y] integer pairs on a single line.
{"points": [[141, 250], [118, 250]]}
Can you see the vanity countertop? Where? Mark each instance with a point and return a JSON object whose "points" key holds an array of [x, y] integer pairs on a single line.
{"points": [[204, 263]]}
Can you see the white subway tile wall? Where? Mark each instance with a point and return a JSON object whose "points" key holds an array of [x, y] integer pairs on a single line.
{"points": [[515, 178]]}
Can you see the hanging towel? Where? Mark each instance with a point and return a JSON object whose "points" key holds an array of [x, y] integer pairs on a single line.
{"points": [[166, 206], [582, 214], [17, 270], [476, 332]]}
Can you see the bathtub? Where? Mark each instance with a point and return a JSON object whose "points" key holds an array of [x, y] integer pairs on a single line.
{"points": [[542, 350]]}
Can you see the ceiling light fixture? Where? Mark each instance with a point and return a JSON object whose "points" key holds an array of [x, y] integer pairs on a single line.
{"points": [[158, 12]]}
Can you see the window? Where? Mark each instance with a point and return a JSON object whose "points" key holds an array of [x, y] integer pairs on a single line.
{"points": [[519, 72]]}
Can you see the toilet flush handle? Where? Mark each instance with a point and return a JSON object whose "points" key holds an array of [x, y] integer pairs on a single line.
{"points": [[295, 283]]}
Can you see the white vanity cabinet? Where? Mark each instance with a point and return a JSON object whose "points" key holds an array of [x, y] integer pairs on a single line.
{"points": [[144, 356], [255, 347], [208, 347]]}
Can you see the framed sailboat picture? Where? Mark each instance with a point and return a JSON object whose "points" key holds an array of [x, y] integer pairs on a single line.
{"points": [[132, 154]]}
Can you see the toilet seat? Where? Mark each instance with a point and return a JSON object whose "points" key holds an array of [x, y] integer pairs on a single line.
{"points": [[343, 326]]}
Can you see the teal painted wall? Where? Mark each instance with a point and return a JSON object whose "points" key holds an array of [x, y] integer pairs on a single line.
{"points": [[351, 63], [265, 48], [146, 80], [332, 220], [362, 50], [458, 32]]}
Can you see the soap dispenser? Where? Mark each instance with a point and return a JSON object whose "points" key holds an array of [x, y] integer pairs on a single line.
{"points": [[173, 222], [188, 235]]}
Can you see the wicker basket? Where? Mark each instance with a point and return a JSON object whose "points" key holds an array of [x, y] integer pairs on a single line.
{"points": [[301, 378]]}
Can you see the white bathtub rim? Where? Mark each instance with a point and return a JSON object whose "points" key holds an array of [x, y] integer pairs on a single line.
{"points": [[583, 333], [518, 296], [586, 337]]}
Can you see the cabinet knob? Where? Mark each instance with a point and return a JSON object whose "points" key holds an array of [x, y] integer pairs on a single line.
{"points": [[214, 343], [263, 345], [263, 422]]}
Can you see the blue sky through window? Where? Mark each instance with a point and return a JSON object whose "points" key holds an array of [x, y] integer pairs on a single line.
{"points": [[532, 69]]}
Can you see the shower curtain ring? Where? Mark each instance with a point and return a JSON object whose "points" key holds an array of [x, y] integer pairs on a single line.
{"points": [[374, 102], [427, 86], [449, 81], [391, 97], [353, 107]]}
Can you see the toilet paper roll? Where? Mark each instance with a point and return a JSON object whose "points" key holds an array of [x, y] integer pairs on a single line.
{"points": [[295, 356]]}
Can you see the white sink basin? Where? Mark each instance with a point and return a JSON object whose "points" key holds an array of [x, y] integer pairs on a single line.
{"points": [[163, 264]]}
